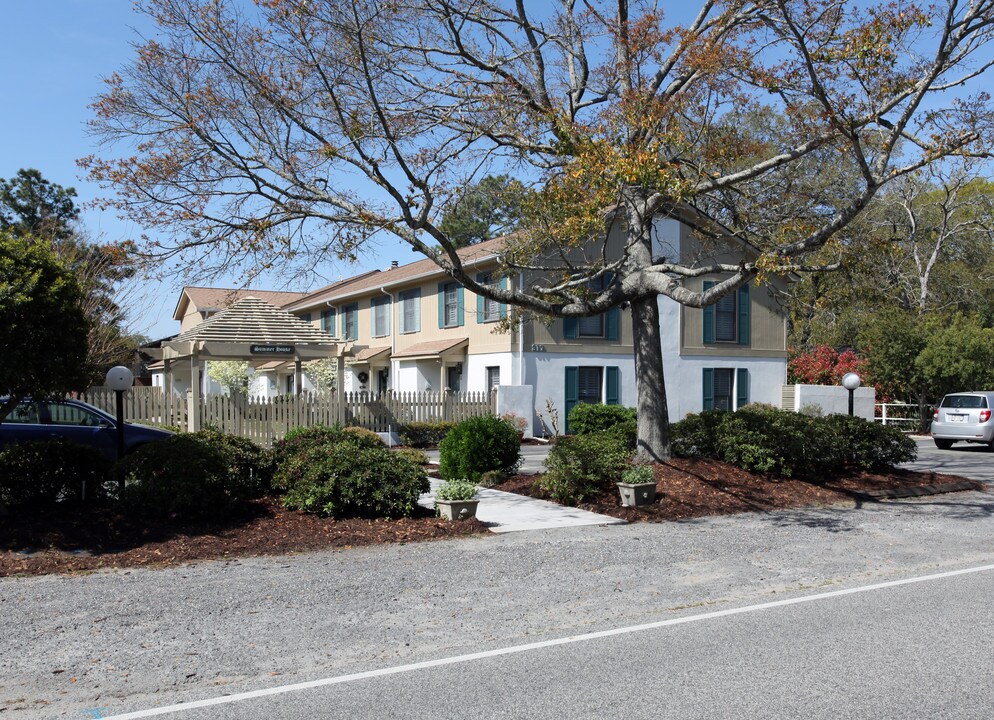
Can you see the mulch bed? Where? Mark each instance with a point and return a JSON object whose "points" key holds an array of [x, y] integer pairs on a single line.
{"points": [[688, 488], [74, 539], [81, 539]]}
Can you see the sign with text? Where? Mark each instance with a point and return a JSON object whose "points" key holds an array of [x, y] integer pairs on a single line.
{"points": [[271, 349]]}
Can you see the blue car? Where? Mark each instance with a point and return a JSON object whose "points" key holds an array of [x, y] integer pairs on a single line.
{"points": [[73, 421]]}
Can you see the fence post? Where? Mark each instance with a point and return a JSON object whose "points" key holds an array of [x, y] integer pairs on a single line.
{"points": [[883, 412], [192, 411]]}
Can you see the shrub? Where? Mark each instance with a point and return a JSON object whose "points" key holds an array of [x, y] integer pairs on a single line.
{"points": [[302, 446], [418, 457], [697, 435], [774, 442], [639, 475], [39, 474], [250, 467], [183, 475], [425, 434], [456, 490], [348, 480], [492, 477], [584, 465], [477, 445], [367, 438], [868, 445], [586, 418]]}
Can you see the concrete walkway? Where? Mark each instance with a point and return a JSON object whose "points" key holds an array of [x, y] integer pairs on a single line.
{"points": [[508, 512]]}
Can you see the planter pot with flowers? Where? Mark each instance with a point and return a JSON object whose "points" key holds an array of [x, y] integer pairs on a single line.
{"points": [[638, 486], [456, 500]]}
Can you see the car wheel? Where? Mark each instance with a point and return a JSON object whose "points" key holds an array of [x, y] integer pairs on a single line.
{"points": [[943, 444]]}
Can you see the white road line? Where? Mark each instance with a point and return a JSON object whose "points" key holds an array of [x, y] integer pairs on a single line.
{"points": [[297, 687]]}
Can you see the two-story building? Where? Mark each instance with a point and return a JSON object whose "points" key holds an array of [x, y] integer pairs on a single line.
{"points": [[411, 327]]}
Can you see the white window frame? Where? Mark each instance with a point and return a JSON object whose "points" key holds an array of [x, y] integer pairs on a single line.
{"points": [[378, 305]]}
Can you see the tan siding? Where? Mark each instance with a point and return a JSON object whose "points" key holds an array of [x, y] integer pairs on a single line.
{"points": [[766, 333]]}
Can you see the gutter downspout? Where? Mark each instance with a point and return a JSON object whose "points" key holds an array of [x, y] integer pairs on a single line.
{"points": [[521, 335]]}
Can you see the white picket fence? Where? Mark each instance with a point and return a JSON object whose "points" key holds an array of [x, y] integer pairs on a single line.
{"points": [[264, 420]]}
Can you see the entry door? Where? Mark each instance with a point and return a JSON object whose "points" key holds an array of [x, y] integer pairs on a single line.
{"points": [[453, 378]]}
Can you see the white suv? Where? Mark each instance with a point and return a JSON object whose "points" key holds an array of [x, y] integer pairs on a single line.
{"points": [[966, 417]]}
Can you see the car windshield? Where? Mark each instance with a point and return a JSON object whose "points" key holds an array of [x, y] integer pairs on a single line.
{"points": [[964, 401]]}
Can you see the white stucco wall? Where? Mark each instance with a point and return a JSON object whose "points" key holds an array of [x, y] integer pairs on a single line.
{"points": [[474, 377], [547, 372], [684, 375], [411, 375]]}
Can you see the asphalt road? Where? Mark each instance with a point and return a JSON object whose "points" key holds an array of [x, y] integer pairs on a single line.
{"points": [[111, 643]]}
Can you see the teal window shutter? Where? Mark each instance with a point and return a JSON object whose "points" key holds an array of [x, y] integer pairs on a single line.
{"points": [[744, 308], [460, 314], [741, 388], [709, 316], [355, 321], [480, 278], [570, 325], [612, 386], [572, 391], [441, 305], [345, 322], [612, 324], [503, 306], [708, 388]]}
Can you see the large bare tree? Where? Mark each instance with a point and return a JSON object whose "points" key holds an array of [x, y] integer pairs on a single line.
{"points": [[297, 130]]}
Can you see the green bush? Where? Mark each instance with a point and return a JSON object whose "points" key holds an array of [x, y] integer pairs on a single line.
{"points": [[419, 457], [586, 418], [302, 446], [425, 434], [39, 474], [477, 445], [344, 479], [582, 466], [250, 467], [776, 442], [867, 445], [697, 435], [184, 476]]}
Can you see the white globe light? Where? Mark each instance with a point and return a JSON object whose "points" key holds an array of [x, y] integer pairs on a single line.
{"points": [[119, 378], [851, 381]]}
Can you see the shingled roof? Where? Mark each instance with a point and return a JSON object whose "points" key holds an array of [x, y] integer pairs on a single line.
{"points": [[211, 299], [252, 320], [471, 255]]}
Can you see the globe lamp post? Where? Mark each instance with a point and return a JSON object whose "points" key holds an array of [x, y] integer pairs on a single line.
{"points": [[851, 381]]}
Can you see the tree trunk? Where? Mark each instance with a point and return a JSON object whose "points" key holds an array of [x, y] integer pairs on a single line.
{"points": [[653, 415]]}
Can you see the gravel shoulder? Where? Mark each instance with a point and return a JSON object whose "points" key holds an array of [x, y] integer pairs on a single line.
{"points": [[123, 639]]}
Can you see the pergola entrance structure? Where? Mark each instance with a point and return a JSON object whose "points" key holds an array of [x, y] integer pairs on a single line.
{"points": [[249, 330]]}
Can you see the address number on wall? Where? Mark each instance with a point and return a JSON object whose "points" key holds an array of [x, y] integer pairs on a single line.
{"points": [[538, 348]]}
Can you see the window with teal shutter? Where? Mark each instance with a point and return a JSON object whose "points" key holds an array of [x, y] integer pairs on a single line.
{"points": [[741, 388], [708, 387], [306, 317], [450, 305], [328, 321], [350, 321], [488, 310], [708, 318], [502, 309], [744, 307]]}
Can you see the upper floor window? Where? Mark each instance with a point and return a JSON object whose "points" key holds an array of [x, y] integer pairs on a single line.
{"points": [[328, 321], [488, 310], [728, 319], [410, 311], [605, 325], [450, 305], [591, 326], [381, 316], [350, 324]]}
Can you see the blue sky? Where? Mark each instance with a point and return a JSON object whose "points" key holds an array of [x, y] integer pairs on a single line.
{"points": [[54, 55]]}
